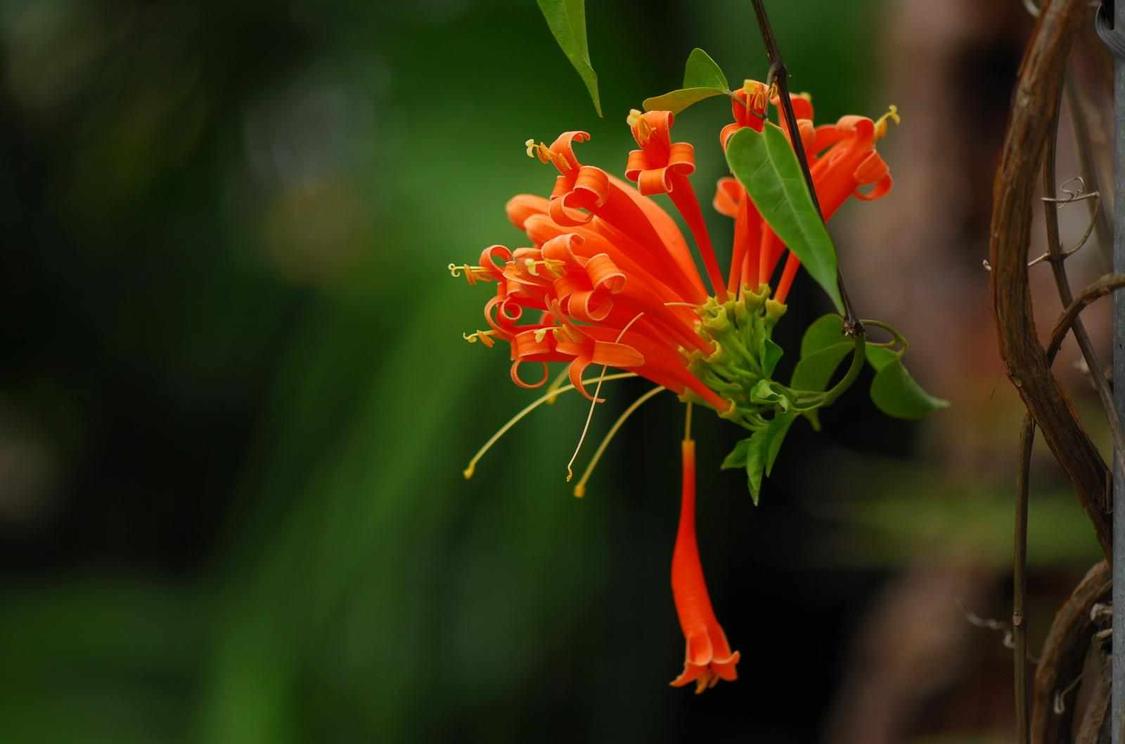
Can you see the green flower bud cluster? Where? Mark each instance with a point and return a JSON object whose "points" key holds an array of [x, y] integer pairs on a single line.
{"points": [[741, 366]]}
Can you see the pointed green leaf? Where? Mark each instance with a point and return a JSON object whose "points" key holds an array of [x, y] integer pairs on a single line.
{"points": [[703, 79], [880, 356], [703, 72], [825, 331], [776, 432], [762, 449], [815, 371], [756, 464], [896, 393], [567, 21], [767, 167], [678, 100], [737, 456]]}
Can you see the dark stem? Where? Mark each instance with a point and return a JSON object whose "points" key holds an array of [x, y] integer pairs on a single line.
{"points": [[1079, 119], [1035, 100], [1064, 652], [1019, 582], [779, 74], [1094, 291], [1057, 259]]}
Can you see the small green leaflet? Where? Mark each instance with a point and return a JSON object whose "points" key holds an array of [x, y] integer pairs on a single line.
{"points": [[825, 331], [758, 452], [701, 71], [880, 356], [823, 347], [767, 167], [814, 372], [567, 21], [893, 391], [896, 393], [703, 78]]}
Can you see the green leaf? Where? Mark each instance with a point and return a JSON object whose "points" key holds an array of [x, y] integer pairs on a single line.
{"points": [[701, 71], [567, 21], [678, 100], [775, 435], [737, 456], [825, 331], [767, 167], [815, 371], [761, 451], [880, 356], [896, 393], [703, 79]]}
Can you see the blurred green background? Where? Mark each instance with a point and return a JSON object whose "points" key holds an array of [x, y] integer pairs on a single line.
{"points": [[235, 404]]}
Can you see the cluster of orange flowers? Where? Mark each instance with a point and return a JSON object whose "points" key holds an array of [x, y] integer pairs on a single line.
{"points": [[610, 280]]}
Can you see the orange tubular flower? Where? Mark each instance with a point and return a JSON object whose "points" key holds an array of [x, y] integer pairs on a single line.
{"points": [[609, 280], [708, 657]]}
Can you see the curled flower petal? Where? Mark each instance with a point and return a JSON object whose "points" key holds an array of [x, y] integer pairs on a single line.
{"points": [[653, 166]]}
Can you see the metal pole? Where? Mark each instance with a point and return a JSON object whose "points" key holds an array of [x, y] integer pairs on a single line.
{"points": [[1111, 25]]}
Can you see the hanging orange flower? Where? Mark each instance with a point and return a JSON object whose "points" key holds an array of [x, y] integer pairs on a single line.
{"points": [[609, 280]]}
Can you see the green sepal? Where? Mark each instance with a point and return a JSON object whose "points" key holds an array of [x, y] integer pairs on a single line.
{"points": [[771, 355]]}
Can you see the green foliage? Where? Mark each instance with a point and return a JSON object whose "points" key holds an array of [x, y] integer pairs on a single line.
{"points": [[765, 164], [897, 394], [701, 71], [893, 391], [567, 21], [757, 453], [703, 79]]}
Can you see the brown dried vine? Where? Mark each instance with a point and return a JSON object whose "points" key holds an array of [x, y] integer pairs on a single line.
{"points": [[1034, 106], [1029, 146], [1064, 652]]}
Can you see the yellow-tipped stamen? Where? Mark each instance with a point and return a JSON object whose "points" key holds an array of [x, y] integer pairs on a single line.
{"points": [[484, 337], [580, 488], [541, 333], [882, 122], [549, 396], [687, 422], [471, 273], [531, 265], [544, 154], [644, 129], [594, 402]]}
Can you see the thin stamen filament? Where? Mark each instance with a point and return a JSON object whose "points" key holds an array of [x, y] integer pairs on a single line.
{"points": [[580, 487], [594, 403], [546, 398]]}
